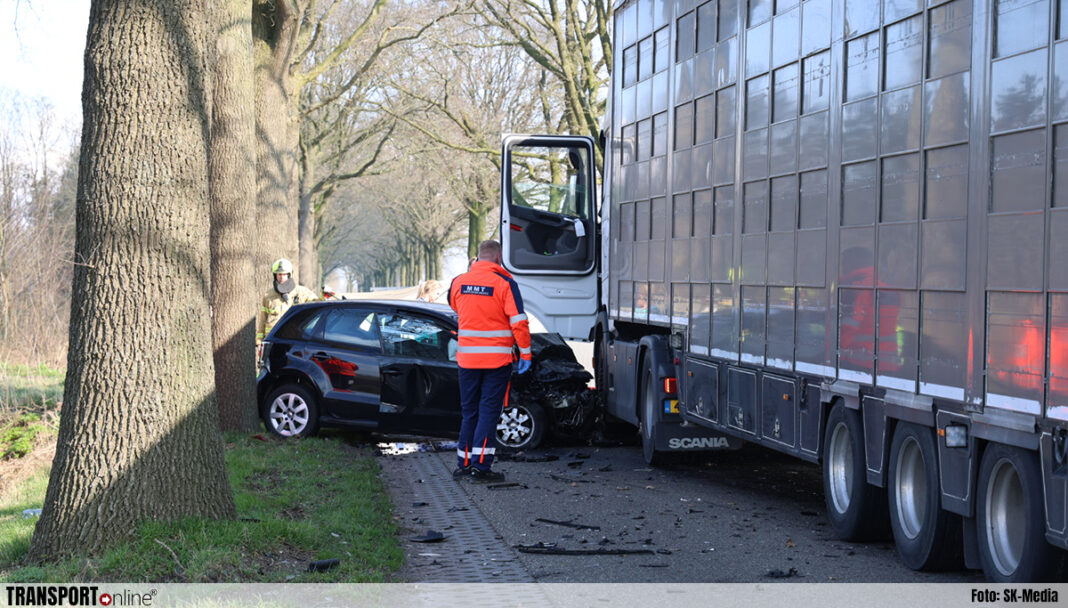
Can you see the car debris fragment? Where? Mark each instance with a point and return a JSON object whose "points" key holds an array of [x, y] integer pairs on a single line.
{"points": [[568, 524]]}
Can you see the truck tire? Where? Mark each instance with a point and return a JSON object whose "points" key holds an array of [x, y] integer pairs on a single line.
{"points": [[856, 510], [650, 416], [926, 536], [1011, 521]]}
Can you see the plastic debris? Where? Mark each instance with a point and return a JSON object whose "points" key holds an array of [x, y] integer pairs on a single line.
{"points": [[323, 565], [431, 536]]}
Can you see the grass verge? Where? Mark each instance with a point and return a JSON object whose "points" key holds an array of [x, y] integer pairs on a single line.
{"points": [[297, 501], [29, 388]]}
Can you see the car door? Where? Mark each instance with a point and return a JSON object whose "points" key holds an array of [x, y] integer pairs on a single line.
{"points": [[420, 385], [347, 353], [549, 229]]}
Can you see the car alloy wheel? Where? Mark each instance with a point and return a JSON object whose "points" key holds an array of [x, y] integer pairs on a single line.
{"points": [[288, 415]]}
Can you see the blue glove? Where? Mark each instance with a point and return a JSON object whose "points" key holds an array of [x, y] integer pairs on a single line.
{"points": [[523, 366]]}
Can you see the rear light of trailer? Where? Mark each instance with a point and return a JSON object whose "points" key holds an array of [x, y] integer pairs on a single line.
{"points": [[671, 386]]}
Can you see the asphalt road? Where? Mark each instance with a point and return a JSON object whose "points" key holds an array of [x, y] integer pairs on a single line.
{"points": [[747, 516]]}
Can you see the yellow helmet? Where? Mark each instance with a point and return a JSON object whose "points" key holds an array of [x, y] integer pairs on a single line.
{"points": [[282, 265]]}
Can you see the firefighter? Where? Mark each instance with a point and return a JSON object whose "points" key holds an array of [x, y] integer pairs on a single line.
{"points": [[492, 320], [280, 297]]}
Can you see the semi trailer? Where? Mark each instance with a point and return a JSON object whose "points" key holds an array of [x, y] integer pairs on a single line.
{"points": [[836, 229]]}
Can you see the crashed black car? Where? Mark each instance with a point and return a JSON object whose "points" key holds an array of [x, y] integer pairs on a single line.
{"points": [[390, 367]]}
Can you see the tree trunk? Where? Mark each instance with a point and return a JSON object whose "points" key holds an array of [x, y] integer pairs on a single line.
{"points": [[309, 260], [138, 437], [273, 28], [476, 229], [234, 289]]}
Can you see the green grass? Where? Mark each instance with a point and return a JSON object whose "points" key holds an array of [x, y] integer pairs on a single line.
{"points": [[32, 388], [297, 501]]}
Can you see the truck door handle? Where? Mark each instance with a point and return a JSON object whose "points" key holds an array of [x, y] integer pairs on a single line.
{"points": [[391, 372], [320, 356]]}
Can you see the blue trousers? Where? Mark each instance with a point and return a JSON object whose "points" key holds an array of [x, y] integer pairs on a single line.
{"points": [[482, 393]]}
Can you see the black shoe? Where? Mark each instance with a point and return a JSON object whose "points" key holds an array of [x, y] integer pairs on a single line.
{"points": [[486, 476], [462, 472]]}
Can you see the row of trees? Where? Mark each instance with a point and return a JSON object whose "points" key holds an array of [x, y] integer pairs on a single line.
{"points": [[340, 134]]}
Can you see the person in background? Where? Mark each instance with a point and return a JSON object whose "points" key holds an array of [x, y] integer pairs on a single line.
{"points": [[429, 291], [280, 297], [492, 321]]}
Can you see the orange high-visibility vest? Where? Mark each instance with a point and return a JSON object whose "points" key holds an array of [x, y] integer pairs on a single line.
{"points": [[491, 314]]}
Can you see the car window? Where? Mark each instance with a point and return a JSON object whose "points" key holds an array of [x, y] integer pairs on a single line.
{"points": [[302, 326], [411, 336], [351, 326]]}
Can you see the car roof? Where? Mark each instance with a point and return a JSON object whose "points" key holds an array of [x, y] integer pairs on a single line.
{"points": [[428, 307]]}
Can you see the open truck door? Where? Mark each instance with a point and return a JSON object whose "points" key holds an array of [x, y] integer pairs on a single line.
{"points": [[549, 229]]}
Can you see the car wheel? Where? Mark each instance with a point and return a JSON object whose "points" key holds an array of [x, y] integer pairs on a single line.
{"points": [[1010, 519], [521, 427], [856, 509], [926, 536], [291, 411]]}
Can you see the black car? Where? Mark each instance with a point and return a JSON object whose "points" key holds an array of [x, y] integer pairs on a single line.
{"points": [[390, 367]]}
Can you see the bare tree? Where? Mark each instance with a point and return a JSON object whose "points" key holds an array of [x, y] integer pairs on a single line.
{"points": [[470, 89], [37, 173], [296, 44], [138, 437], [570, 40]]}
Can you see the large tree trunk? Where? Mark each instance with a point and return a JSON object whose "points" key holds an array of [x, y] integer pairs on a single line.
{"points": [[274, 27], [234, 289], [138, 437]]}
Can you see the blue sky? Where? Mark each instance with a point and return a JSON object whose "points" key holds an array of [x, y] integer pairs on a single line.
{"points": [[41, 47]]}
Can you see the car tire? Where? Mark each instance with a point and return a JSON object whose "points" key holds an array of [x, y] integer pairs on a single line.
{"points": [[1010, 519], [856, 509], [926, 536], [291, 411], [521, 427]]}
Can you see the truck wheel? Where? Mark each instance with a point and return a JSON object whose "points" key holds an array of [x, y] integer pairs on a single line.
{"points": [[856, 510], [926, 536], [1011, 521], [650, 410]]}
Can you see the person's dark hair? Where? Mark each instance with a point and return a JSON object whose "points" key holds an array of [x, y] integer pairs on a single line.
{"points": [[488, 250]]}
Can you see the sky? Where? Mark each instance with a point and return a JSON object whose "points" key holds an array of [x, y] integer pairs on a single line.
{"points": [[41, 57], [41, 47]]}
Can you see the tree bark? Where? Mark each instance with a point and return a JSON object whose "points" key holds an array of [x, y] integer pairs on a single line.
{"points": [[274, 27], [234, 289], [476, 228], [309, 258], [138, 437]]}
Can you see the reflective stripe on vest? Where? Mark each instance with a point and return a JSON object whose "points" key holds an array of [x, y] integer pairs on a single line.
{"points": [[486, 333], [484, 349]]}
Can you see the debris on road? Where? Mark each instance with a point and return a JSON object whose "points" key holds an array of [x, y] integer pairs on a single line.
{"points": [[568, 524], [568, 478], [776, 573], [506, 485], [431, 536], [552, 549]]}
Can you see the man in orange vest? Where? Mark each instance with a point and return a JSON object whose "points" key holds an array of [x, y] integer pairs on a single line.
{"points": [[490, 309]]}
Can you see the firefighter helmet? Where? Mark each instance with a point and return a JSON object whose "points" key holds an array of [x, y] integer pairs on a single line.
{"points": [[282, 265]]}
